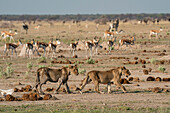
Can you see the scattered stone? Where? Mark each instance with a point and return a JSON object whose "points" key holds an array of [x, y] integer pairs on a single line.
{"points": [[143, 66], [49, 89], [9, 98], [166, 79], [150, 69], [145, 72], [135, 58], [150, 78], [75, 56], [130, 79], [47, 97], [157, 90], [158, 79], [124, 81]]}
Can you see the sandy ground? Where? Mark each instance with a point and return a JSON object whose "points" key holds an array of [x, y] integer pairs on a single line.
{"points": [[138, 94]]}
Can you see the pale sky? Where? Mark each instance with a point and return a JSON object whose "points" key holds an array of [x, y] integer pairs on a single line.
{"points": [[83, 6]]}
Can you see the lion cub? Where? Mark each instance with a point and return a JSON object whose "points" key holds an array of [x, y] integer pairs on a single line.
{"points": [[106, 77]]}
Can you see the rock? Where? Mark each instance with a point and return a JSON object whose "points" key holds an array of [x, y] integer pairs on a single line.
{"points": [[143, 66], [166, 79], [130, 79], [158, 79], [150, 78], [49, 89], [16, 89], [9, 98], [150, 69], [157, 90], [75, 56], [124, 81], [47, 96], [145, 72], [135, 58]]}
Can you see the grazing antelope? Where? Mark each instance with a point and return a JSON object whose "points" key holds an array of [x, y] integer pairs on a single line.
{"points": [[37, 27], [110, 34], [6, 34], [29, 46], [11, 46], [42, 45], [92, 43], [111, 43], [89, 45], [95, 42], [127, 42], [73, 46], [155, 32], [52, 46]]}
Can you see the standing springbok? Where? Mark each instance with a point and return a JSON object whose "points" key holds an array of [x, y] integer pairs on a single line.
{"points": [[110, 34], [28, 47], [37, 27], [6, 34], [11, 46], [42, 45], [111, 43], [155, 32], [127, 42], [52, 46], [73, 46], [92, 43]]}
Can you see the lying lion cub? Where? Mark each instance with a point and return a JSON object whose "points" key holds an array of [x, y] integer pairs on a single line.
{"points": [[106, 77]]}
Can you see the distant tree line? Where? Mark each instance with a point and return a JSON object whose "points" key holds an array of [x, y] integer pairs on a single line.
{"points": [[83, 17]]}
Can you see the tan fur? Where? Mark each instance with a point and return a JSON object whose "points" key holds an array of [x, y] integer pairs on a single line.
{"points": [[55, 75], [156, 32], [106, 77], [108, 33]]}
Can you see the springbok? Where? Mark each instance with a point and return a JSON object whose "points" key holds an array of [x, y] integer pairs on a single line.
{"points": [[11, 46], [110, 34], [52, 46], [37, 27], [73, 47], [155, 32], [42, 45], [6, 34], [111, 43], [28, 47], [92, 43], [127, 42]]}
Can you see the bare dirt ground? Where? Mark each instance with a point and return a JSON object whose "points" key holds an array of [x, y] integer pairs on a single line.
{"points": [[138, 94]]}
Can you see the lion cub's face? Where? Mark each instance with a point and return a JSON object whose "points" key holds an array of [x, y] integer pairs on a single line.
{"points": [[125, 72], [73, 70]]}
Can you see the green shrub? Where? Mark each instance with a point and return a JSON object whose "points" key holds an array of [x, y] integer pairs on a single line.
{"points": [[29, 66], [40, 66], [42, 59], [161, 69], [153, 60], [83, 71], [90, 61]]}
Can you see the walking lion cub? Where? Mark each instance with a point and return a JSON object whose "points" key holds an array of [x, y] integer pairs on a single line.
{"points": [[106, 77]]}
